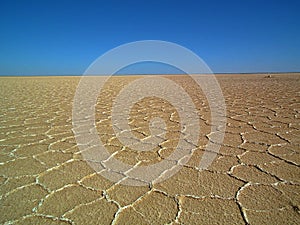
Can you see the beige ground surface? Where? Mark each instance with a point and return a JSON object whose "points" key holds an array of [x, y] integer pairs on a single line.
{"points": [[255, 178]]}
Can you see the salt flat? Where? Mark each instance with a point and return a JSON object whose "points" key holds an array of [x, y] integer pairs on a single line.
{"points": [[255, 178]]}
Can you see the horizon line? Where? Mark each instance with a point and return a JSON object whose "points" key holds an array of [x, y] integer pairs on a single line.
{"points": [[137, 74]]}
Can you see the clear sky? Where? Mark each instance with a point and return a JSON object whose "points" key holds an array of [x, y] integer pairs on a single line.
{"points": [[64, 37]]}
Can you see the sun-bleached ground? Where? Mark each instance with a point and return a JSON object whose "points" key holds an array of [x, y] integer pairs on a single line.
{"points": [[255, 179]]}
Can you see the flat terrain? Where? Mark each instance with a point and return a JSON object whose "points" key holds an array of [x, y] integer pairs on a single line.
{"points": [[255, 178]]}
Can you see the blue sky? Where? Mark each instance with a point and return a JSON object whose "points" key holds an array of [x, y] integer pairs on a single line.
{"points": [[65, 37]]}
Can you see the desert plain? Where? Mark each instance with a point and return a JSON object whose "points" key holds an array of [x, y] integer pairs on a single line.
{"points": [[255, 178]]}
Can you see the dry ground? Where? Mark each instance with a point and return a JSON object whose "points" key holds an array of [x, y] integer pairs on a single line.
{"points": [[255, 178]]}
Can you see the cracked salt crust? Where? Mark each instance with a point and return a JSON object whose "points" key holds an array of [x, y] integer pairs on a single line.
{"points": [[255, 178]]}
